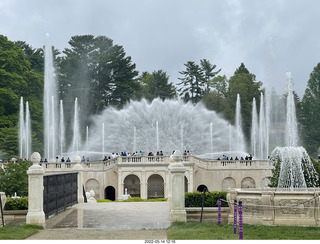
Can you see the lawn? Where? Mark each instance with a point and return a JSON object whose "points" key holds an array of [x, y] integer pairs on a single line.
{"points": [[211, 231], [18, 232]]}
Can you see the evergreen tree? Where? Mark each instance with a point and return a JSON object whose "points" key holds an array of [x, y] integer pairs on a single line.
{"points": [[156, 85], [310, 113], [243, 83], [16, 80], [192, 83]]}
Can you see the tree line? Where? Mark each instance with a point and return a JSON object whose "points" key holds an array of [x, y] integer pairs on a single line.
{"points": [[101, 75]]}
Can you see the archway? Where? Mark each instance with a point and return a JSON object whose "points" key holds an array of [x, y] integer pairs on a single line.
{"points": [[185, 184], [132, 183], [248, 182], [110, 193], [228, 183], [93, 184], [155, 187], [202, 187]]}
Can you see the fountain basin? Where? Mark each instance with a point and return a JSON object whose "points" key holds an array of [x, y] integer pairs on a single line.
{"points": [[273, 207]]}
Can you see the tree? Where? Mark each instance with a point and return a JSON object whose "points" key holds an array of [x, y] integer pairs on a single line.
{"points": [[197, 80], [157, 85], [192, 83], [208, 74], [14, 178], [16, 80], [243, 83], [310, 113]]}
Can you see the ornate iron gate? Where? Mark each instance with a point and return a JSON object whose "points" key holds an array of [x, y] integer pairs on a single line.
{"points": [[155, 190], [60, 191]]}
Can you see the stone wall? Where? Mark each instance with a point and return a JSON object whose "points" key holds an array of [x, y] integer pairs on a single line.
{"points": [[271, 207]]}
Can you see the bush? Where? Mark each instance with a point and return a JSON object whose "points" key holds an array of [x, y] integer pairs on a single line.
{"points": [[194, 199], [134, 199], [16, 203], [104, 200]]}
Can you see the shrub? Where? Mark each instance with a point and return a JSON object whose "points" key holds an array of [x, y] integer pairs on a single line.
{"points": [[194, 199], [16, 203], [134, 199], [104, 200]]}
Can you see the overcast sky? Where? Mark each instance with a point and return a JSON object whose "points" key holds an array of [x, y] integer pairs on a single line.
{"points": [[270, 37]]}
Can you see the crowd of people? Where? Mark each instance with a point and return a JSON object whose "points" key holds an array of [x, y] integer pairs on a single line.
{"points": [[224, 157]]}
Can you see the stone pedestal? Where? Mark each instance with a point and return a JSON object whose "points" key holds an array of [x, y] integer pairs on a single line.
{"points": [[78, 168], [35, 173], [177, 198]]}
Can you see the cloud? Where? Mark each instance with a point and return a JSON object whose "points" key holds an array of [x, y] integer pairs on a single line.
{"points": [[270, 37]]}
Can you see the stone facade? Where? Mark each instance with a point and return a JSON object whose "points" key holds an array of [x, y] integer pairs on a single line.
{"points": [[149, 177]]}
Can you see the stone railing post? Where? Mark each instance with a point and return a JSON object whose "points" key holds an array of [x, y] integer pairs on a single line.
{"points": [[35, 173], [267, 200], [79, 168], [177, 169]]}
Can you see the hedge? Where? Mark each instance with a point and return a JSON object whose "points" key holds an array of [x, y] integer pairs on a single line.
{"points": [[16, 203], [194, 199]]}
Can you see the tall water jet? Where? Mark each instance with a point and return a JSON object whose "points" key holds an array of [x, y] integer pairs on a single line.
{"points": [[76, 129], [157, 135], [103, 142], [28, 131], [134, 138], [62, 129], [24, 130], [238, 124], [291, 122], [49, 103], [181, 138], [262, 129], [87, 138], [21, 128], [294, 160], [211, 138], [254, 129]]}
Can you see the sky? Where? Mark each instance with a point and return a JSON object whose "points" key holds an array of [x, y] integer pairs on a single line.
{"points": [[271, 37]]}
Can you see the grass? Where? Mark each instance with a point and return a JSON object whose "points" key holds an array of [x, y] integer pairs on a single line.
{"points": [[9, 232], [135, 199], [211, 231]]}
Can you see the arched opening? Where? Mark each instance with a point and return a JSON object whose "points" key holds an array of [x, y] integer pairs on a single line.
{"points": [[155, 187], [228, 183], [202, 187], [93, 184], [132, 183], [185, 184], [110, 193], [248, 182]]}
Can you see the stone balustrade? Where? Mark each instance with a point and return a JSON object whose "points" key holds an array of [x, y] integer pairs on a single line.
{"points": [[209, 164]]}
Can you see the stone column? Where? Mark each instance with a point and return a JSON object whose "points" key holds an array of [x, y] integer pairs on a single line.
{"points": [[177, 169], [267, 199], [79, 168], [143, 188], [35, 173], [120, 186]]}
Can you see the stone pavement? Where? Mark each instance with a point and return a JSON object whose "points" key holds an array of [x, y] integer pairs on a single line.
{"points": [[109, 221]]}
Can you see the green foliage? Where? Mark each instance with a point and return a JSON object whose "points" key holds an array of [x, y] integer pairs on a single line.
{"points": [[274, 179], [14, 178], [194, 199], [16, 203], [134, 199], [156, 85], [196, 80], [310, 114], [243, 83], [18, 79]]}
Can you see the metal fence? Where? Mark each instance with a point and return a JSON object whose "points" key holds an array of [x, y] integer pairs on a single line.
{"points": [[60, 192]]}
